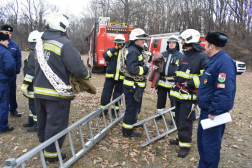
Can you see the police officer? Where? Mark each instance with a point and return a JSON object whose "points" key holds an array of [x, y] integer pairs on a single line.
{"points": [[114, 78], [133, 88], [184, 91], [215, 96], [7, 68], [27, 87], [63, 58], [166, 79], [15, 52]]}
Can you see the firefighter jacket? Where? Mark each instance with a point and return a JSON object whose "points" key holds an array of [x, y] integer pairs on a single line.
{"points": [[16, 53], [29, 69], [7, 65], [113, 68], [218, 84], [172, 59], [190, 69], [135, 64], [63, 58]]}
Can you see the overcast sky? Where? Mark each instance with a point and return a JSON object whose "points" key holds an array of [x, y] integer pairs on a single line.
{"points": [[74, 6]]}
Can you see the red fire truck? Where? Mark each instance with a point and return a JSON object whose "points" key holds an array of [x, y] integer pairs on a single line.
{"points": [[101, 38], [158, 42]]}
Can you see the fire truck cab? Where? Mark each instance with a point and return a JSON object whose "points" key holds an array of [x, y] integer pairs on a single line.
{"points": [[158, 42], [101, 38]]}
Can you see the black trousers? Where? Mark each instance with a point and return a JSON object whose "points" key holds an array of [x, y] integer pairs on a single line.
{"points": [[162, 97], [53, 117], [132, 111], [184, 124], [33, 116], [111, 85]]}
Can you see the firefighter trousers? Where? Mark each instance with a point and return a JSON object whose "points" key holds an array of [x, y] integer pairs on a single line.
{"points": [[32, 119], [111, 85], [209, 143], [132, 111], [53, 117], [162, 98], [184, 124], [13, 89], [4, 105]]}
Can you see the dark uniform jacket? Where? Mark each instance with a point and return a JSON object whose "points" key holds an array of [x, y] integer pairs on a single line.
{"points": [[135, 64], [190, 69], [64, 59], [113, 68], [16, 53], [29, 69], [7, 65], [170, 67], [218, 84]]}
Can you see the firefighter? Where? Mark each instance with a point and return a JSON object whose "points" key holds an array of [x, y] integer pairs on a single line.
{"points": [[166, 80], [135, 80], [16, 54], [114, 78], [27, 87], [184, 91], [63, 58], [7, 68], [215, 96]]}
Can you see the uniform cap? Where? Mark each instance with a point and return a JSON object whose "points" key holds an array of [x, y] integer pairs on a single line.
{"points": [[217, 38], [7, 27]]}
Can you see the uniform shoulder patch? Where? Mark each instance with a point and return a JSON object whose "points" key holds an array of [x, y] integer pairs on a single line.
{"points": [[222, 77], [221, 85]]}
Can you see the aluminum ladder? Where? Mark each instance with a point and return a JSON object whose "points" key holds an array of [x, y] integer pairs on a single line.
{"points": [[90, 120], [168, 131]]}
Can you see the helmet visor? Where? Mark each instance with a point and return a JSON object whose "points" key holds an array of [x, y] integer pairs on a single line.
{"points": [[142, 35], [119, 41]]}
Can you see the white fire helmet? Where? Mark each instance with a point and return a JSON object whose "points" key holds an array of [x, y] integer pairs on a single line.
{"points": [[34, 35], [57, 21], [190, 36], [138, 34], [119, 39]]}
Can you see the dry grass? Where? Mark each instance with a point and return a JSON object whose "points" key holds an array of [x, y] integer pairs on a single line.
{"points": [[116, 151]]}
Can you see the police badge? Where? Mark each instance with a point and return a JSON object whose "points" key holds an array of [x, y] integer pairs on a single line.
{"points": [[222, 77]]}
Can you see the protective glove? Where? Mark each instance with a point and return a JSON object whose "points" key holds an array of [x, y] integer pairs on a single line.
{"points": [[24, 88]]}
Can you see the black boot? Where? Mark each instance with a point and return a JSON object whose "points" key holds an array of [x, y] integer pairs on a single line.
{"points": [[15, 113], [27, 125], [174, 142], [32, 129], [183, 152], [159, 117], [132, 134], [138, 126], [47, 159], [10, 128]]}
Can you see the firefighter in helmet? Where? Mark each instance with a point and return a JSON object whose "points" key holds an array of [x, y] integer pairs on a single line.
{"points": [[133, 87], [63, 58], [166, 80], [27, 87], [184, 91], [114, 78]]}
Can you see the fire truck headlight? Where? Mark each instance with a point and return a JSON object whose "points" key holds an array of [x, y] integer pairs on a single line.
{"points": [[101, 61]]}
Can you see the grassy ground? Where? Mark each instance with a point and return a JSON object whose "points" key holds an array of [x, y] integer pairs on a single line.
{"points": [[116, 151]]}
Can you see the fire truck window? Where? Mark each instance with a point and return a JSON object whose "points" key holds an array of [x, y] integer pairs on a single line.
{"points": [[148, 42], [155, 44]]}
